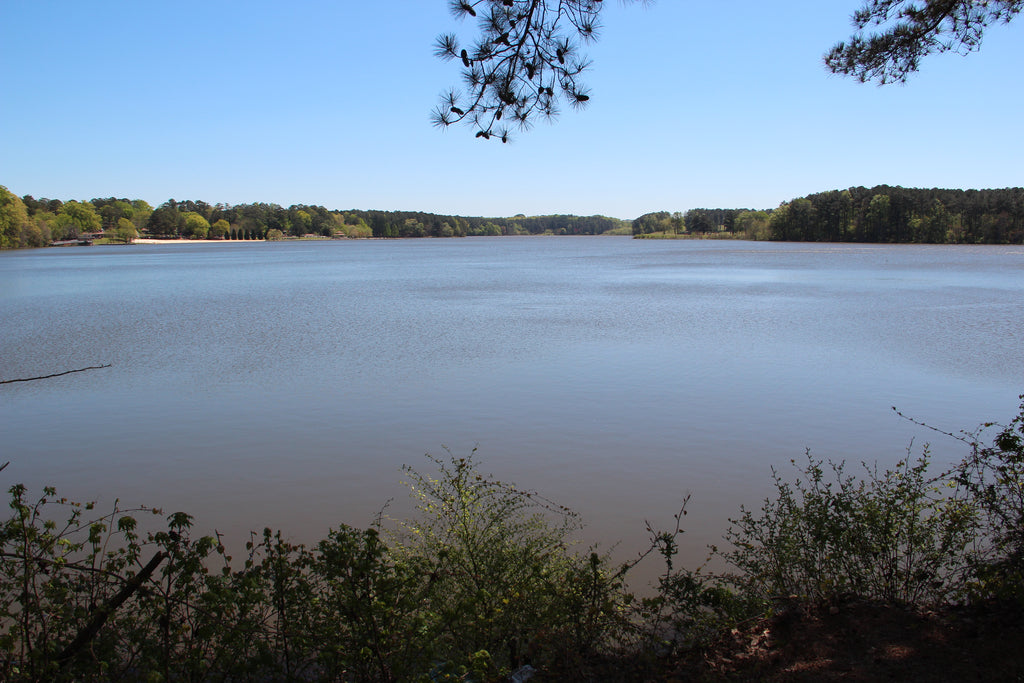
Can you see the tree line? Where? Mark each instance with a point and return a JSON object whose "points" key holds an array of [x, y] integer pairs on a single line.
{"points": [[896, 214], [882, 214], [30, 222]]}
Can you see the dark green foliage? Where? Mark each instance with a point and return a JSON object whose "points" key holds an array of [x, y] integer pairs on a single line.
{"points": [[711, 220], [695, 222], [418, 224], [879, 214], [897, 214], [166, 220]]}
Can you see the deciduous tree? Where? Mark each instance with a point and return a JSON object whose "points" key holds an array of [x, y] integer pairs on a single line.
{"points": [[75, 218], [141, 211], [219, 229], [125, 231], [196, 227], [13, 217], [754, 224]]}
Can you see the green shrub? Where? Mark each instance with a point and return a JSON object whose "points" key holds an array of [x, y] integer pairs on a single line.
{"points": [[484, 579], [690, 608], [368, 620], [993, 479], [898, 536], [503, 576]]}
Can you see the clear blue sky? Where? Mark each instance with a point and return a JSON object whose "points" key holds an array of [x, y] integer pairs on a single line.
{"points": [[694, 104]]}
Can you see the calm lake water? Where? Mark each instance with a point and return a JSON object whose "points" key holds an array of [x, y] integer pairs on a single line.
{"points": [[284, 384]]}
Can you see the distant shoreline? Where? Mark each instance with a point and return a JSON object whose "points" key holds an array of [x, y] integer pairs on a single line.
{"points": [[182, 240]]}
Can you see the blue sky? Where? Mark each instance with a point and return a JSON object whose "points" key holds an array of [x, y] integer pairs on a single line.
{"points": [[694, 104]]}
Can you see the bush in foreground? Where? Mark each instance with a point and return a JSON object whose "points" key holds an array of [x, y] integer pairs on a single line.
{"points": [[483, 581], [486, 579], [895, 536]]}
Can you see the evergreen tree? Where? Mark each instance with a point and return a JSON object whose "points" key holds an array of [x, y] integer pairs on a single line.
{"points": [[910, 30], [526, 58]]}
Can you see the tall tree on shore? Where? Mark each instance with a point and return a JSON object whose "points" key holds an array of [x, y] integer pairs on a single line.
{"points": [[75, 218], [125, 231], [13, 218], [165, 220], [196, 227]]}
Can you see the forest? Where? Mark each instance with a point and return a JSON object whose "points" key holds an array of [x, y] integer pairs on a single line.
{"points": [[30, 222], [881, 214]]}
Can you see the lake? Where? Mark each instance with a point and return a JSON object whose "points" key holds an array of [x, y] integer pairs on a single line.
{"points": [[285, 384]]}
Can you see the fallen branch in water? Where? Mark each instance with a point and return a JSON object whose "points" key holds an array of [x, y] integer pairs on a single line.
{"points": [[56, 374]]}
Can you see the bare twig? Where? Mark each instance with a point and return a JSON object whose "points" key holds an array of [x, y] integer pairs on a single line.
{"points": [[662, 541], [56, 374], [964, 437]]}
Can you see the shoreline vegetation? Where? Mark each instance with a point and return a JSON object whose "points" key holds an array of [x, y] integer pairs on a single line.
{"points": [[842, 574], [881, 214]]}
